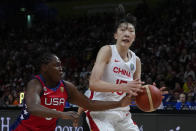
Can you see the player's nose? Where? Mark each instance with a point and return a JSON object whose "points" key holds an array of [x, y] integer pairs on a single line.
{"points": [[60, 69], [127, 34]]}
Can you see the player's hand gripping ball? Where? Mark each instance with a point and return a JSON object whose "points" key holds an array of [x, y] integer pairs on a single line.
{"points": [[150, 99]]}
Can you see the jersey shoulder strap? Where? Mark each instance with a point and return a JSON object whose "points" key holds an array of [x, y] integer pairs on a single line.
{"points": [[66, 89]]}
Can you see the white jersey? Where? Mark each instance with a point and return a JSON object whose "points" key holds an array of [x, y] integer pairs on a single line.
{"points": [[117, 71]]}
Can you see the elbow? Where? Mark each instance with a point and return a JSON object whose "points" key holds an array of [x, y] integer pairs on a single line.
{"points": [[31, 109], [92, 85]]}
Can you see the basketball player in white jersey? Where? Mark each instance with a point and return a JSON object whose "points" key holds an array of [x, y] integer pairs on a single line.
{"points": [[117, 71]]}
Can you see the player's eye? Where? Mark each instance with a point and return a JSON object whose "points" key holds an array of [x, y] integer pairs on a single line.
{"points": [[58, 64], [122, 29]]}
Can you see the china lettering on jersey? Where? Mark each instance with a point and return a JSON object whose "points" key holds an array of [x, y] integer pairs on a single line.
{"points": [[120, 71], [117, 71]]}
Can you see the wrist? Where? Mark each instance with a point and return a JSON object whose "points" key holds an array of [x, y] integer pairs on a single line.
{"points": [[121, 87], [120, 104], [60, 114]]}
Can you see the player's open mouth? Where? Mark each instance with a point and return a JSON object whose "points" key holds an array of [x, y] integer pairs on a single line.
{"points": [[61, 74], [126, 40]]}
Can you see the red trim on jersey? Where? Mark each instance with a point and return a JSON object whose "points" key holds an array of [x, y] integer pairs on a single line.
{"points": [[92, 94], [93, 125], [38, 77], [91, 97]]}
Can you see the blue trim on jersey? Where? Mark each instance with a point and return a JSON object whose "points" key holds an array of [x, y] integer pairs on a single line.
{"points": [[15, 125], [44, 81], [18, 120], [65, 87], [54, 89], [23, 113], [42, 78]]}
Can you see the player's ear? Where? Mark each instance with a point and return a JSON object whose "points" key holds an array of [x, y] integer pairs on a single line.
{"points": [[44, 67]]}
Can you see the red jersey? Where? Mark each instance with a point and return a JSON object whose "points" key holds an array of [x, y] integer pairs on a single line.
{"points": [[53, 98]]}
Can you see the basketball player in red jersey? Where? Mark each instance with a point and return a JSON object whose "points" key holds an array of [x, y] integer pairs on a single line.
{"points": [[117, 71], [46, 95]]}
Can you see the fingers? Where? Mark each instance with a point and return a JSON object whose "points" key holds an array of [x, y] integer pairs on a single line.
{"points": [[70, 115], [137, 81], [132, 93], [133, 87], [163, 97], [136, 90], [162, 88], [164, 92], [128, 95], [136, 85], [141, 89], [75, 123], [74, 114]]}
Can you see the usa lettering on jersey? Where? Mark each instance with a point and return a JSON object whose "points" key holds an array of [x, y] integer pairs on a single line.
{"points": [[54, 101]]}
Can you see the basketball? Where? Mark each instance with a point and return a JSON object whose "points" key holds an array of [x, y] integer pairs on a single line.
{"points": [[150, 99]]}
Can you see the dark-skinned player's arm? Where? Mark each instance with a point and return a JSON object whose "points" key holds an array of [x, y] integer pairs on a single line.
{"points": [[34, 107], [81, 100]]}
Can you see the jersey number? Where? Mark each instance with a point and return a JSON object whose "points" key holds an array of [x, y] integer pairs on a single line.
{"points": [[120, 82]]}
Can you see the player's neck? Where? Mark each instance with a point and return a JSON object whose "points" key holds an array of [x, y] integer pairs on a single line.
{"points": [[48, 82], [123, 51], [51, 84]]}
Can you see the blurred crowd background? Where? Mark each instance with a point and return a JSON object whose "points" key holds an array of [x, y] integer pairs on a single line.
{"points": [[165, 43]]}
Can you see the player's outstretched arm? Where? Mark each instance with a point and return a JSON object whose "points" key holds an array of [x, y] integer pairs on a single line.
{"points": [[32, 98], [94, 105]]}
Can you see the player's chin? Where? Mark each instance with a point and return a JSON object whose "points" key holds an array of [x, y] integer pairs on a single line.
{"points": [[58, 78], [61, 75], [126, 43]]}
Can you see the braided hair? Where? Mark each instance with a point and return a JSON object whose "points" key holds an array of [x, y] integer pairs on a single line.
{"points": [[43, 59]]}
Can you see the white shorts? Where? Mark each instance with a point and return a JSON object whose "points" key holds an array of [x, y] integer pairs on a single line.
{"points": [[111, 121]]}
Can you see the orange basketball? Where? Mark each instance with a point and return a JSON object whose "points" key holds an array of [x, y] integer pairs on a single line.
{"points": [[150, 99]]}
